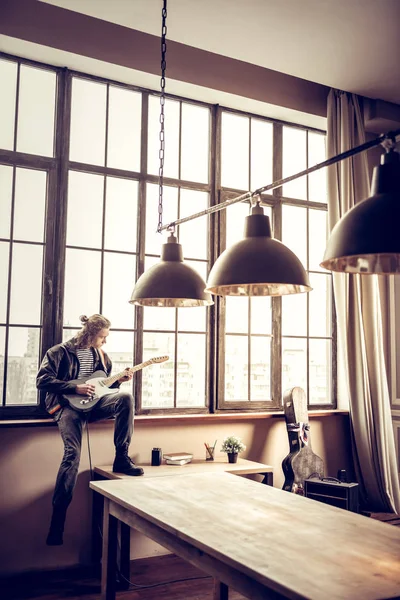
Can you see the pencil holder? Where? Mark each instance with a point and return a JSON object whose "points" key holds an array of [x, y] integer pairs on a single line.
{"points": [[210, 450]]}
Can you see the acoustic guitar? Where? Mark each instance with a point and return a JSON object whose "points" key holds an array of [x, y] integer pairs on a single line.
{"points": [[301, 462], [102, 385]]}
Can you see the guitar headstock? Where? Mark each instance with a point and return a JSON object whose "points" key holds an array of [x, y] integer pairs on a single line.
{"points": [[159, 359]]}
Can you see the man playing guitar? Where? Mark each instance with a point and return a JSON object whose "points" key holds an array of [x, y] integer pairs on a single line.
{"points": [[62, 364]]}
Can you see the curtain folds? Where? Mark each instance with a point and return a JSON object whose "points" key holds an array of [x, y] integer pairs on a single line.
{"points": [[362, 314]]}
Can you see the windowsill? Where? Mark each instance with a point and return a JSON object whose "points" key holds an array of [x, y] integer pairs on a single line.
{"points": [[237, 416]]}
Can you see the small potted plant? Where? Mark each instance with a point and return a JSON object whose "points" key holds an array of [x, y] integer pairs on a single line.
{"points": [[232, 445]]}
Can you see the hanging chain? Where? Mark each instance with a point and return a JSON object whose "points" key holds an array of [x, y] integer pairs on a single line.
{"points": [[162, 117]]}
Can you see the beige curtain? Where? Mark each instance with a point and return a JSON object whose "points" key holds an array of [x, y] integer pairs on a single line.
{"points": [[362, 312]]}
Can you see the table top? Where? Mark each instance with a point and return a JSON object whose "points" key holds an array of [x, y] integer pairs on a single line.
{"points": [[219, 465], [291, 544]]}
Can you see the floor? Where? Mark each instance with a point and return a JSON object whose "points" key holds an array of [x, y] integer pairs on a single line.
{"points": [[164, 578]]}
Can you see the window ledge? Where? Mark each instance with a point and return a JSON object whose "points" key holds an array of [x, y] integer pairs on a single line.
{"points": [[232, 416]]}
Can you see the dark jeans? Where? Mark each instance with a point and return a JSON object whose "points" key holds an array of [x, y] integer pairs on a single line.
{"points": [[70, 423]]}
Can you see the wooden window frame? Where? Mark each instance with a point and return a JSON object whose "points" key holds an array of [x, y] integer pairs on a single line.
{"points": [[58, 168]]}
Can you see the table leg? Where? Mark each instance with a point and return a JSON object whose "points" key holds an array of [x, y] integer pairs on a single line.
{"points": [[125, 558], [97, 520], [221, 590], [268, 478], [108, 567]]}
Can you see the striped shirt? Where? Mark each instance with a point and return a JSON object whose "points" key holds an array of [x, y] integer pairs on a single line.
{"points": [[86, 366]]}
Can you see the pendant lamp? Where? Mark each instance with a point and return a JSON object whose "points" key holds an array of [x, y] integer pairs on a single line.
{"points": [[258, 265], [171, 282], [367, 239]]}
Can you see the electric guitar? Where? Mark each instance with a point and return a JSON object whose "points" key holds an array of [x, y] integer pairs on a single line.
{"points": [[102, 385]]}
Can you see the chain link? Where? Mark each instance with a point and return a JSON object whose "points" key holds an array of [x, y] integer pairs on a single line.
{"points": [[162, 116]]}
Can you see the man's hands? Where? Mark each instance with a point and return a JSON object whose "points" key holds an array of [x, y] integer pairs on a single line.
{"points": [[127, 377], [85, 389]]}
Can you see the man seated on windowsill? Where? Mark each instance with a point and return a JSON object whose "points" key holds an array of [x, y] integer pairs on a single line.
{"points": [[75, 359]]}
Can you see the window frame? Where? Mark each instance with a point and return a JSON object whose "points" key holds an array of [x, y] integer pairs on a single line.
{"points": [[58, 168]]}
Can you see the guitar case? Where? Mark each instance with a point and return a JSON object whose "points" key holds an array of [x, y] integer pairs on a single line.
{"points": [[301, 462]]}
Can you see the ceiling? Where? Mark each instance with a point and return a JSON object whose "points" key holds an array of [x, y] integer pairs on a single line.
{"points": [[353, 45]]}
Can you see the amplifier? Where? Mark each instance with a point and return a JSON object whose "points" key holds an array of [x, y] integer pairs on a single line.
{"points": [[332, 491]]}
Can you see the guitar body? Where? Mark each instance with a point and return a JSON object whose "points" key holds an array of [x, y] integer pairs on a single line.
{"points": [[86, 403], [301, 462], [102, 385]]}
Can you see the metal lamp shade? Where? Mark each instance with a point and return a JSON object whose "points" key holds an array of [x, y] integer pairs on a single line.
{"points": [[367, 239], [170, 282], [258, 265]]}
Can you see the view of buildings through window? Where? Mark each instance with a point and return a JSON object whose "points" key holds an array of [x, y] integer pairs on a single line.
{"points": [[77, 228]]}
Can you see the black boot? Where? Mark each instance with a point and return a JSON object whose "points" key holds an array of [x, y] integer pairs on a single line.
{"points": [[123, 464], [55, 535]]}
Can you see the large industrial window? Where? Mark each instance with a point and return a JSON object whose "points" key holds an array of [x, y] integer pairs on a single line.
{"points": [[79, 209]]}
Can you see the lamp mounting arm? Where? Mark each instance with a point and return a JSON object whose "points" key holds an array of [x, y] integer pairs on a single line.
{"points": [[390, 136]]}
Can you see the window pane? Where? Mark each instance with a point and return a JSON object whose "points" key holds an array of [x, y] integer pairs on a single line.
{"points": [[159, 318], [236, 367], [320, 305], [193, 235], [69, 334], [320, 371], [294, 364], [119, 275], [294, 160], [88, 122], [171, 125], [237, 314], [85, 209], [155, 240], [261, 153], [317, 189], [158, 379], [260, 368], [36, 110], [4, 265], [6, 174], [261, 316], [2, 360], [294, 231], [195, 143], [30, 205], [8, 78], [194, 318], [191, 371], [22, 365], [318, 233], [121, 214], [82, 285], [124, 127], [294, 314], [119, 348], [26, 278], [235, 151], [235, 220]]}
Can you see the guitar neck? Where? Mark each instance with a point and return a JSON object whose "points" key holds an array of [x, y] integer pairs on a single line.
{"points": [[113, 378]]}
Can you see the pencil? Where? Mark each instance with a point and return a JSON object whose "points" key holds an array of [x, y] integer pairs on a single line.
{"points": [[208, 449]]}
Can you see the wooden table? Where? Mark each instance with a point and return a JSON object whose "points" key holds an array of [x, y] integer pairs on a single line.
{"points": [[219, 465], [259, 540]]}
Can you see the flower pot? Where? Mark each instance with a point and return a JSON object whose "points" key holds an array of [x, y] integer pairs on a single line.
{"points": [[232, 457]]}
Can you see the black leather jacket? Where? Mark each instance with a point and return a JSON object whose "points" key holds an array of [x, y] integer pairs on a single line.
{"points": [[59, 366]]}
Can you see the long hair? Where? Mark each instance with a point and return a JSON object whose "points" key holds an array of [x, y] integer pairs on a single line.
{"points": [[91, 326]]}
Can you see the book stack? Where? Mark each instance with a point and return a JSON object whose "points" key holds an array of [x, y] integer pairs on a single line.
{"points": [[178, 458]]}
